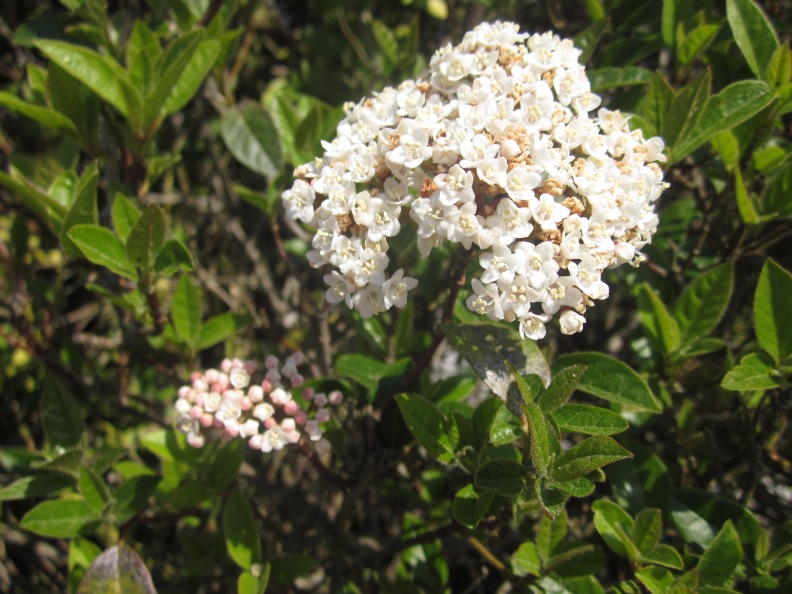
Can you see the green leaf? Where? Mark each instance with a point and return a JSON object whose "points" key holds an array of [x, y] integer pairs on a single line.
{"points": [[526, 561], [721, 557], [103, 75], [611, 380], [646, 531], [427, 424], [59, 518], [592, 420], [241, 532], [658, 98], [565, 381], [541, 450], [483, 417], [33, 487], [68, 463], [696, 42], [550, 534], [779, 70], [656, 579], [172, 258], [488, 346], [613, 524], [125, 214], [192, 75], [745, 202], [142, 53], [63, 422], [579, 487], [252, 138], [69, 96], [610, 77], [319, 124], [220, 327], [732, 106], [50, 211], [93, 489], [186, 311], [663, 555], [550, 498], [660, 327], [84, 210], [703, 302], [685, 110], [755, 372], [171, 67], [132, 496], [588, 39], [43, 115], [773, 311], [146, 238], [753, 33], [366, 371], [506, 477], [102, 247], [590, 454], [254, 583], [470, 505], [118, 570]]}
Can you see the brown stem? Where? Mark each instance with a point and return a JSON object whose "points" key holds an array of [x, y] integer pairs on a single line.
{"points": [[211, 11], [327, 474]]}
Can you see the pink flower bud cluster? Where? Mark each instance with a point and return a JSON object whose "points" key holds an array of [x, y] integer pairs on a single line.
{"points": [[270, 414]]}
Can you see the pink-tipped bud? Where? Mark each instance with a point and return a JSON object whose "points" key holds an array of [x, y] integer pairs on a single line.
{"points": [[308, 394], [323, 415], [245, 403], [291, 407], [297, 380], [183, 391], [212, 376], [274, 376], [255, 441], [250, 367], [267, 386], [320, 399], [270, 423], [196, 412], [195, 376], [300, 417], [200, 384], [288, 370], [298, 358], [182, 406], [271, 362], [288, 425], [335, 397], [207, 420], [231, 430], [293, 436], [225, 365]]}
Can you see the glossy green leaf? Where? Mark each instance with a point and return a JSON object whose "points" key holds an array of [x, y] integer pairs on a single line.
{"points": [[696, 42], [59, 518], [487, 346], [590, 454], [565, 381], [698, 516], [132, 496], [102, 247], [611, 77], [172, 258], [579, 487], [101, 74], [660, 327], [506, 477], [647, 528], [33, 487], [125, 214], [658, 98], [241, 532], [118, 570], [541, 451], [318, 124], [43, 115], [254, 580], [779, 70], [703, 302], [732, 106], [220, 327], [63, 422], [146, 238], [745, 202], [613, 524], [773, 311], [657, 580], [721, 557], [611, 380], [93, 489], [192, 75], [663, 555], [470, 505], [67, 463], [753, 33], [755, 372], [367, 371], [550, 534], [551, 499], [252, 138], [483, 417], [186, 311], [427, 424], [142, 53], [588, 39], [591, 420], [50, 211], [84, 210]]}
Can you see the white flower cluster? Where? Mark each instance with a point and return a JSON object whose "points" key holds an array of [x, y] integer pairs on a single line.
{"points": [[224, 401], [495, 148]]}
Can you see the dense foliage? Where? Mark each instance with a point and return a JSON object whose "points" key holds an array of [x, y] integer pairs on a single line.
{"points": [[186, 407]]}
